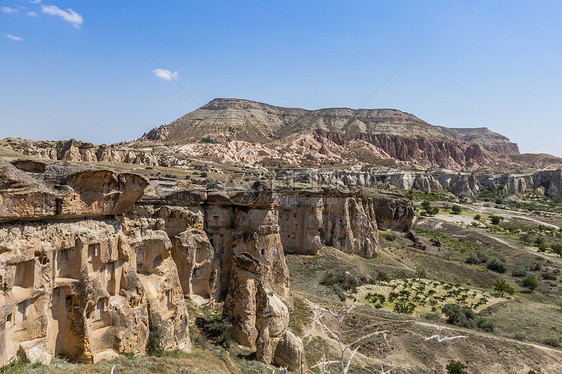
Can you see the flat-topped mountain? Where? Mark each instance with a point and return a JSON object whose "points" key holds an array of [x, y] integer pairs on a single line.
{"points": [[252, 132], [236, 119]]}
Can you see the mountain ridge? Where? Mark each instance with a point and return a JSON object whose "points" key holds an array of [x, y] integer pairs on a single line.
{"points": [[246, 120], [250, 131]]}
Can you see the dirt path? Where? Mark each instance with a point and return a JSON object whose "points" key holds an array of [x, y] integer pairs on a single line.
{"points": [[483, 334], [501, 212]]}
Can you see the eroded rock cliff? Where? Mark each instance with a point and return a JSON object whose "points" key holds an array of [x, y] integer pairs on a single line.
{"points": [[89, 266], [76, 278]]}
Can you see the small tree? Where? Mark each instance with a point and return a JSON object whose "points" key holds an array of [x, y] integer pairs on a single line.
{"points": [[477, 217], [382, 277], [456, 367], [530, 283], [543, 247], [495, 219], [456, 209], [557, 249], [526, 238], [497, 264], [502, 287]]}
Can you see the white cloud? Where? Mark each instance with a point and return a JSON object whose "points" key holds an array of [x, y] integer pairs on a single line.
{"points": [[13, 37], [68, 15], [35, 2], [165, 74], [32, 14], [7, 9]]}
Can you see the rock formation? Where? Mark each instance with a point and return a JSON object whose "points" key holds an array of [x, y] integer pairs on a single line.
{"points": [[289, 353], [77, 279], [89, 266]]}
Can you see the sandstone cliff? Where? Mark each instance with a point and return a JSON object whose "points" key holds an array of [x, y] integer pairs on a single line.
{"points": [[78, 280], [89, 266]]}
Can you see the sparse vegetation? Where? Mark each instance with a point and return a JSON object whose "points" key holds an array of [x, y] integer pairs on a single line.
{"points": [[477, 257], [497, 264], [456, 367], [530, 283], [428, 210], [209, 140], [502, 287], [156, 335], [216, 328], [495, 220], [341, 282]]}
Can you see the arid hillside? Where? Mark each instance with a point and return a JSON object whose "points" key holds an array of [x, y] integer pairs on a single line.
{"points": [[248, 131]]}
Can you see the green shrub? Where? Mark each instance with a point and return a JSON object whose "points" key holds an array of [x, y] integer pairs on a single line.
{"points": [[209, 140], [539, 240], [557, 249], [405, 308], [485, 324], [216, 328], [339, 292], [459, 315], [553, 342], [456, 367], [519, 271], [157, 332], [456, 209], [502, 287], [382, 277], [496, 219], [428, 209], [526, 238], [530, 283], [375, 298], [477, 257], [497, 264], [433, 316], [549, 275], [477, 217], [340, 282], [543, 247]]}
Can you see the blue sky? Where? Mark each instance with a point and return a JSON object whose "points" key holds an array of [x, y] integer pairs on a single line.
{"points": [[83, 69]]}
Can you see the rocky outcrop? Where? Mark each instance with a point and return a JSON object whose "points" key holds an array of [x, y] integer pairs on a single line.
{"points": [[227, 248], [63, 191], [251, 132], [77, 151], [89, 266], [77, 279], [312, 218], [289, 353], [393, 212]]}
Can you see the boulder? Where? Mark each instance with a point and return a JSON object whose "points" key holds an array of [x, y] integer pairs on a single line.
{"points": [[289, 353]]}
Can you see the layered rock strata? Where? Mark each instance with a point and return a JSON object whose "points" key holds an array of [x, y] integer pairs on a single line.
{"points": [[76, 278], [89, 266]]}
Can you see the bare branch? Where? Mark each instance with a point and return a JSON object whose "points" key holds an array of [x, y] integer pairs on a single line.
{"points": [[326, 363], [346, 313], [358, 340], [351, 359]]}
